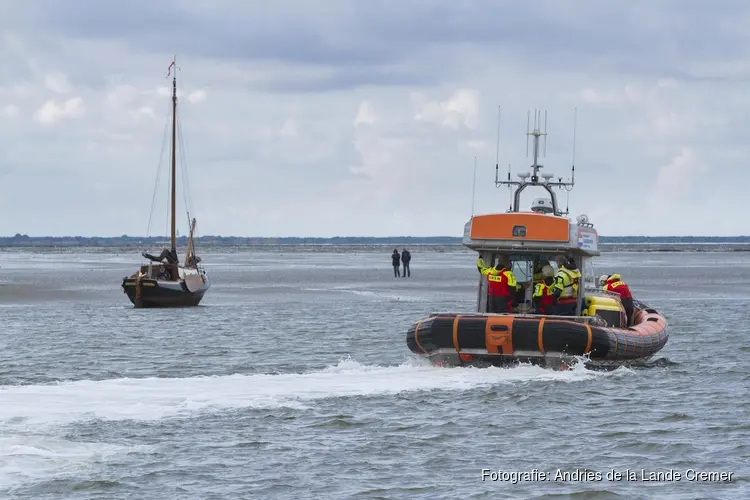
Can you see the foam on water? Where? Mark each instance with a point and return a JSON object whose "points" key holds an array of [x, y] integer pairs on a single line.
{"points": [[404, 297], [31, 457], [157, 398], [33, 416]]}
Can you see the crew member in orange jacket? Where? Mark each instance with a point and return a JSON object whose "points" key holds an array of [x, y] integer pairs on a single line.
{"points": [[614, 283], [544, 298], [501, 286]]}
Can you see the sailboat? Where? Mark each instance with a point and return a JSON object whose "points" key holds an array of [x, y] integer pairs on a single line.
{"points": [[164, 281]]}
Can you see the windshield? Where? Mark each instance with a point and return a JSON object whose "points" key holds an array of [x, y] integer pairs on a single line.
{"points": [[522, 270]]}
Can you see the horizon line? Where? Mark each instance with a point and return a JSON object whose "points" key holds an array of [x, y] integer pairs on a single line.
{"points": [[19, 236]]}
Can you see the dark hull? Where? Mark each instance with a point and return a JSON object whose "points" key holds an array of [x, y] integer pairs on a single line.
{"points": [[153, 293], [503, 339]]}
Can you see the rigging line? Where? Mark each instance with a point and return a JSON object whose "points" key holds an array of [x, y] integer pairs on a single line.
{"points": [[185, 178], [158, 176], [166, 219], [186, 170], [187, 196], [188, 190]]}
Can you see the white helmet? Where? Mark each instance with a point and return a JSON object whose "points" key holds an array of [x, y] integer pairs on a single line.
{"points": [[603, 279]]}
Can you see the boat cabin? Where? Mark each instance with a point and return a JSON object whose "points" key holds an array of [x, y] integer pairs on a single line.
{"points": [[530, 240], [534, 238]]}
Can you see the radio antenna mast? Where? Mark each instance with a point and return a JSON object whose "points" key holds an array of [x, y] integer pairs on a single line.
{"points": [[474, 186], [537, 134]]}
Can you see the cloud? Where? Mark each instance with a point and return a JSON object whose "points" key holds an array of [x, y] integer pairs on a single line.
{"points": [[197, 96], [364, 117], [289, 129], [57, 83], [677, 178], [10, 111], [51, 112], [461, 109]]}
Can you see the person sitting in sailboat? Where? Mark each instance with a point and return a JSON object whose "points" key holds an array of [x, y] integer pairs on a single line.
{"points": [[170, 255], [163, 274]]}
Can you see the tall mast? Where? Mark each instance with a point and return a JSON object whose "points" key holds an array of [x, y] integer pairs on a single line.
{"points": [[174, 154]]}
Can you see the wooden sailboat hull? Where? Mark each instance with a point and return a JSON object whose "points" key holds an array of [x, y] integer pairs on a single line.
{"points": [[156, 293]]}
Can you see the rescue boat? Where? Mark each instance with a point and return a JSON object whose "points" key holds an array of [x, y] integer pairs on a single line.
{"points": [[598, 333]]}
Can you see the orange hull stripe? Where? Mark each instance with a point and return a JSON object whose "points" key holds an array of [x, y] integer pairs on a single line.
{"points": [[455, 333], [590, 340], [540, 329], [416, 336]]}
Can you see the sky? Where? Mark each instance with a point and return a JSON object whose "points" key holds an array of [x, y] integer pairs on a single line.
{"points": [[342, 118]]}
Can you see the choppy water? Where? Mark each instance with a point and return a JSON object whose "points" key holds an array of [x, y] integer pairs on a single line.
{"points": [[293, 380]]}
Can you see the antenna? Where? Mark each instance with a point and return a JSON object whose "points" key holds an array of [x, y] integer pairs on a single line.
{"points": [[573, 163], [528, 116], [545, 134], [474, 186], [575, 120], [538, 133], [497, 147], [510, 192]]}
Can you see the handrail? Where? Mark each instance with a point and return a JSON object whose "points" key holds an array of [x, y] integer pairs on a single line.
{"points": [[583, 319]]}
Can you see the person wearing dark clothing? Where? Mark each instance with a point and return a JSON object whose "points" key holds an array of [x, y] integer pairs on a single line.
{"points": [[170, 255], [163, 274], [396, 261], [405, 259]]}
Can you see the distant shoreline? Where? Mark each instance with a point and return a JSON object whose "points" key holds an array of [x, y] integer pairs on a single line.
{"points": [[607, 243]]}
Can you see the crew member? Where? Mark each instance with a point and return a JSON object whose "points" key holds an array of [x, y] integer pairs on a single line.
{"points": [[538, 266], [544, 298], [614, 283], [501, 286], [480, 264], [566, 286]]}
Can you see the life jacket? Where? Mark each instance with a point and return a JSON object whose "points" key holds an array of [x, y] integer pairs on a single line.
{"points": [[543, 297], [567, 280], [616, 285], [500, 282]]}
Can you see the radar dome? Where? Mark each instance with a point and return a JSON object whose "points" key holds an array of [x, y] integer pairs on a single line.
{"points": [[542, 205]]}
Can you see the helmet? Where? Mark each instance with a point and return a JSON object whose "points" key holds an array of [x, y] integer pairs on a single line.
{"points": [[603, 279], [615, 276], [547, 272]]}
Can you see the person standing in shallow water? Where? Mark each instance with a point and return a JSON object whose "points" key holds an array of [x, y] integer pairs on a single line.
{"points": [[405, 260], [396, 261]]}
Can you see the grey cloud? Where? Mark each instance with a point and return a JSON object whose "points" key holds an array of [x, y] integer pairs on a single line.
{"points": [[343, 79], [338, 33]]}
